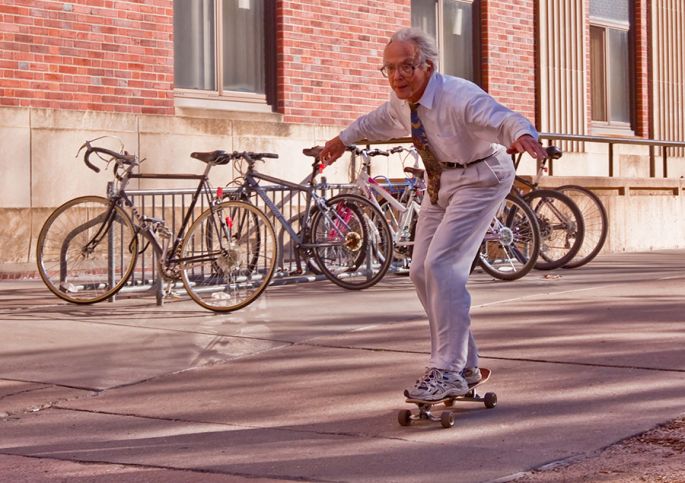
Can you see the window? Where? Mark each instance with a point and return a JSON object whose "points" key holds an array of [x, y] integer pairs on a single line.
{"points": [[610, 72], [225, 49], [453, 23]]}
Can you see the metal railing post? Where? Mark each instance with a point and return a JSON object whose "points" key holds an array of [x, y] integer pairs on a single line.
{"points": [[611, 160], [652, 162]]}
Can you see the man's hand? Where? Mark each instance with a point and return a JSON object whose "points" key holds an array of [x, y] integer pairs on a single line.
{"points": [[528, 144], [332, 150]]}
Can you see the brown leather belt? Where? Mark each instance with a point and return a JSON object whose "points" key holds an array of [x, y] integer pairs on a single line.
{"points": [[458, 165]]}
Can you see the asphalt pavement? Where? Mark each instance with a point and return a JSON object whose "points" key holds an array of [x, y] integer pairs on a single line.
{"points": [[305, 383]]}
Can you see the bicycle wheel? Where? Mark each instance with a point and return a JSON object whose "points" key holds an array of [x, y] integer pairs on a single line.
{"points": [[596, 223], [86, 250], [511, 245], [228, 256], [561, 227], [351, 242]]}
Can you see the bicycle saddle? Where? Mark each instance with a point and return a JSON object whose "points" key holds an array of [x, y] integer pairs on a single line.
{"points": [[314, 151], [417, 172], [211, 157]]}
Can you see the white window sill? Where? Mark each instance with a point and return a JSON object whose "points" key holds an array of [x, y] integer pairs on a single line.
{"points": [[222, 104], [602, 129]]}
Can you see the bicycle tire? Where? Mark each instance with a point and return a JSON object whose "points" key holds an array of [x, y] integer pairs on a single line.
{"points": [[83, 255], [222, 275], [510, 250], [352, 243], [596, 222], [561, 227]]}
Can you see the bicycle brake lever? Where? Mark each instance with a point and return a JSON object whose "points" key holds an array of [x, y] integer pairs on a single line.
{"points": [[84, 145]]}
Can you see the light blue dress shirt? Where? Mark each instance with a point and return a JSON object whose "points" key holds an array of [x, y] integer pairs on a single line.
{"points": [[463, 123]]}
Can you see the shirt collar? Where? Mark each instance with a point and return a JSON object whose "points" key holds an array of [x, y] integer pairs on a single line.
{"points": [[431, 89]]}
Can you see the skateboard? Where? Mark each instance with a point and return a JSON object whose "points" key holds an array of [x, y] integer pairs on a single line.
{"points": [[406, 416]]}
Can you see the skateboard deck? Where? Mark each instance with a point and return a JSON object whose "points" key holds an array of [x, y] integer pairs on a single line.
{"points": [[489, 399]]}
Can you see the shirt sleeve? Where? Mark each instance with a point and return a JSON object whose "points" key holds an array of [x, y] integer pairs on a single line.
{"points": [[383, 123], [494, 122]]}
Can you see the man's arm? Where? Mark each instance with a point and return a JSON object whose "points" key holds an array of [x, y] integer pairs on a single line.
{"points": [[385, 122], [494, 122]]}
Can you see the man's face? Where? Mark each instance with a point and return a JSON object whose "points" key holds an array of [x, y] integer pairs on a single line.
{"points": [[407, 82]]}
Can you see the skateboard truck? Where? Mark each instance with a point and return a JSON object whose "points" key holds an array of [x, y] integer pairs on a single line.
{"points": [[446, 418]]}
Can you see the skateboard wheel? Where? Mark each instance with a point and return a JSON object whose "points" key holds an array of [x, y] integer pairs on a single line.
{"points": [[404, 417], [447, 419], [490, 400]]}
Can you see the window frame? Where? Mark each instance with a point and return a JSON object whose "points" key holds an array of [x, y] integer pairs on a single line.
{"points": [[609, 126], [223, 98], [475, 33]]}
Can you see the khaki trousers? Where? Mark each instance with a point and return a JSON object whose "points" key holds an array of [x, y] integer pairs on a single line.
{"points": [[448, 235]]}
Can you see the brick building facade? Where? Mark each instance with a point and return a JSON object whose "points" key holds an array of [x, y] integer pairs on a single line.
{"points": [[75, 70], [118, 56]]}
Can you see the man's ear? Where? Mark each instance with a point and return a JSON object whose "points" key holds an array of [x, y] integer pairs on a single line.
{"points": [[431, 66]]}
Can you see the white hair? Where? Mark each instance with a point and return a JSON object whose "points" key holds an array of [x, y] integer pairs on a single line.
{"points": [[424, 43]]}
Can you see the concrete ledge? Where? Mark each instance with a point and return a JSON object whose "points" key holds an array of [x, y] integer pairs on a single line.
{"points": [[622, 186]]}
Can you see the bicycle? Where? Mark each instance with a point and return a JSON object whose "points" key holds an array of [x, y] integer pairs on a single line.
{"points": [[88, 247], [511, 244], [346, 236], [560, 221], [510, 247], [401, 210]]}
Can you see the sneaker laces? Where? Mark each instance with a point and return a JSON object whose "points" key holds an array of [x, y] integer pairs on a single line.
{"points": [[429, 379]]}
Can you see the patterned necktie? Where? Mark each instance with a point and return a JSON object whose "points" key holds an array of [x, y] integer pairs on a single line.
{"points": [[420, 140]]}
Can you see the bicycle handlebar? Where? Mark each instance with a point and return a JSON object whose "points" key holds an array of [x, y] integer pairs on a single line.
{"points": [[125, 158], [367, 151]]}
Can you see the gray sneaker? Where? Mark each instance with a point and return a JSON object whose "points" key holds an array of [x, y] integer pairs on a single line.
{"points": [[438, 384], [472, 375]]}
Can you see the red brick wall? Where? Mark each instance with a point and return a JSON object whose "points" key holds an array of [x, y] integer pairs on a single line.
{"points": [[508, 53], [87, 54], [329, 55]]}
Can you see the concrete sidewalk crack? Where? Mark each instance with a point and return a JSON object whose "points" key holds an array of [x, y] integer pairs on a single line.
{"points": [[586, 364], [345, 434], [172, 468]]}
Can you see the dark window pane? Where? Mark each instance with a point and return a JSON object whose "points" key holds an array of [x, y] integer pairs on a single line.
{"points": [[243, 45], [423, 15], [457, 35], [194, 40], [597, 74], [611, 9], [619, 76]]}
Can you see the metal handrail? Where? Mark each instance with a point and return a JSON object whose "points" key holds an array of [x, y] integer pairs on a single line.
{"points": [[611, 141]]}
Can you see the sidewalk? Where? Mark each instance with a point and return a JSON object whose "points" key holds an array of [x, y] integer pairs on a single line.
{"points": [[305, 383]]}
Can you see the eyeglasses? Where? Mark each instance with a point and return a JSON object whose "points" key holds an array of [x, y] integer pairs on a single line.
{"points": [[405, 70]]}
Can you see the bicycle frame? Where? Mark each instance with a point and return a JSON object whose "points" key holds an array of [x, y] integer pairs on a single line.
{"points": [[168, 256], [251, 184], [371, 189]]}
